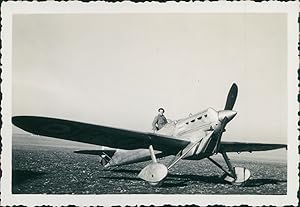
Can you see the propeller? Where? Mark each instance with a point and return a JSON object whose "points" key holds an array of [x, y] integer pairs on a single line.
{"points": [[231, 97], [227, 114]]}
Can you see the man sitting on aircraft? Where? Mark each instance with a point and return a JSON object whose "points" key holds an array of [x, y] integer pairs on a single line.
{"points": [[160, 120]]}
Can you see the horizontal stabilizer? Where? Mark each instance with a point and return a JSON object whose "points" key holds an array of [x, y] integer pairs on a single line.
{"points": [[96, 152], [248, 147]]}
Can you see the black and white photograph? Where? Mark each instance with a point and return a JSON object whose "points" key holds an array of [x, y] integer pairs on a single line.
{"points": [[137, 104]]}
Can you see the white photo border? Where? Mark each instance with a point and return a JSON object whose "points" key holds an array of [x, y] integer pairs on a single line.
{"points": [[8, 9]]}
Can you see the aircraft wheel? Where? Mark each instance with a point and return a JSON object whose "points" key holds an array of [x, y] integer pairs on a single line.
{"points": [[156, 184], [242, 176], [154, 173]]}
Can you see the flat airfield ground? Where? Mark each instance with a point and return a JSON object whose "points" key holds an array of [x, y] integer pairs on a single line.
{"points": [[57, 170]]}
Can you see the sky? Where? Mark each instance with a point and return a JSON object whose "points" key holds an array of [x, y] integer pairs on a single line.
{"points": [[118, 69]]}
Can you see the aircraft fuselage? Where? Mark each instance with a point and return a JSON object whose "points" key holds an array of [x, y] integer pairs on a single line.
{"points": [[192, 129]]}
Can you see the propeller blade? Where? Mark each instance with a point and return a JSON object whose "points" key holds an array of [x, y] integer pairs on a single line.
{"points": [[231, 97], [223, 125]]}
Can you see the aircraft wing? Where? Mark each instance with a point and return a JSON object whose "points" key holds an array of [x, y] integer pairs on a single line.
{"points": [[98, 135], [248, 147]]}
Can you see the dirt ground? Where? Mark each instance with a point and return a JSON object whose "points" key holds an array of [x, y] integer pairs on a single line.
{"points": [[56, 170]]}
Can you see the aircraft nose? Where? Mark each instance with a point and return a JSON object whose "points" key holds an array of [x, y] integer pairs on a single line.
{"points": [[226, 113]]}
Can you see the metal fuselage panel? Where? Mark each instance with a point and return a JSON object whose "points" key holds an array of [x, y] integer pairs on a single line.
{"points": [[195, 126], [192, 128], [124, 157]]}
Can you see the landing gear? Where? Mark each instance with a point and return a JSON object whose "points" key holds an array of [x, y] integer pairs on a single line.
{"points": [[242, 175], [153, 173], [234, 175]]}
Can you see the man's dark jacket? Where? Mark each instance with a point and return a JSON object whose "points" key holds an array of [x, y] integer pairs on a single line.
{"points": [[158, 122]]}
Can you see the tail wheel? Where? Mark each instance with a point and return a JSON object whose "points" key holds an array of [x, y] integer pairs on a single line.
{"points": [[105, 159]]}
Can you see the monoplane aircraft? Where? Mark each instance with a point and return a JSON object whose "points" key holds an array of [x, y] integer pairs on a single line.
{"points": [[193, 138]]}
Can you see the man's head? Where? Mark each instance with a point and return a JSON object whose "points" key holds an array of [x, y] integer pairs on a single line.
{"points": [[161, 111]]}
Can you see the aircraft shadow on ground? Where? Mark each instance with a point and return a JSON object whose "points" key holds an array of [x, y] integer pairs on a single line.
{"points": [[173, 180], [20, 176], [176, 180]]}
